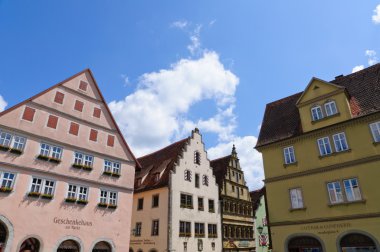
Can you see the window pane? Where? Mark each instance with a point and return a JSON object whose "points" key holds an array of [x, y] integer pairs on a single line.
{"points": [[45, 149], [36, 185], [19, 142], [375, 128], [56, 152], [5, 139], [78, 158]]}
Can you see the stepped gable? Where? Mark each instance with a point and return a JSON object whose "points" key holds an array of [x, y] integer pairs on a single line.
{"points": [[282, 119], [161, 161], [219, 168]]}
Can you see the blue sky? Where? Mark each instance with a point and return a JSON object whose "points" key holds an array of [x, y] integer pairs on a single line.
{"points": [[181, 64]]}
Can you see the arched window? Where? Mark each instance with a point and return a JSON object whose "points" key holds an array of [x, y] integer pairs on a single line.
{"points": [[30, 245], [303, 243], [357, 242], [102, 247], [3, 235], [188, 175], [69, 246], [330, 108], [316, 113]]}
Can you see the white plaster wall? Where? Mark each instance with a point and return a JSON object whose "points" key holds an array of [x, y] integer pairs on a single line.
{"points": [[178, 185]]}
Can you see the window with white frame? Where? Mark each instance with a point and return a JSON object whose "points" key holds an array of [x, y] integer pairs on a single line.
{"points": [[42, 186], [7, 180], [138, 229], [155, 227], [289, 155], [72, 192], [340, 142], [330, 108], [5, 139], [324, 146], [351, 187], [108, 197], [18, 142], [375, 129], [316, 113], [184, 229], [82, 193], [335, 192], [52, 151], [83, 159], [77, 192], [296, 198], [36, 185], [199, 229], [48, 187]]}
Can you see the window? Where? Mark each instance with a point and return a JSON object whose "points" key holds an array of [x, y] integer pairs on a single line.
{"points": [[103, 197], [28, 114], [48, 187], [241, 191], [14, 142], [296, 198], [330, 108], [140, 204], [188, 175], [77, 193], [110, 141], [74, 128], [5, 139], [351, 187], [184, 229], [138, 229], [205, 180], [83, 85], [212, 231], [59, 97], [78, 106], [7, 180], [340, 142], [108, 198], [82, 193], [375, 129], [52, 122], [316, 113], [50, 151], [200, 204], [186, 201], [324, 146], [155, 200], [199, 229], [233, 188], [97, 112], [93, 135], [335, 192], [197, 180], [197, 157], [111, 167], [36, 185], [112, 200], [211, 207], [155, 227], [289, 155], [81, 159], [72, 192]]}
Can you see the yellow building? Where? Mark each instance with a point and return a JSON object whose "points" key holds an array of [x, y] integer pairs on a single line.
{"points": [[321, 158], [237, 214]]}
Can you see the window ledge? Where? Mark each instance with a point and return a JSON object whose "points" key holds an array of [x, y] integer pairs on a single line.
{"points": [[325, 118], [297, 209], [291, 164], [346, 203], [334, 153]]}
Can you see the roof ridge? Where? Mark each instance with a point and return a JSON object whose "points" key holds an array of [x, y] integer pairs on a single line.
{"points": [[164, 148], [221, 158]]}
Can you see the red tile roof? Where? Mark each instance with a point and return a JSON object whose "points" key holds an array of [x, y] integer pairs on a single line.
{"points": [[161, 161], [282, 119]]}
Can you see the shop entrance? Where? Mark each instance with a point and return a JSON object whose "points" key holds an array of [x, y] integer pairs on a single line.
{"points": [[357, 243], [3, 236], [30, 245], [69, 246], [102, 247], [304, 244]]}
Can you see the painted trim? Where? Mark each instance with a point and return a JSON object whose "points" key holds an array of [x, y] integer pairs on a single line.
{"points": [[37, 237], [107, 240], [303, 234], [353, 231], [10, 232], [69, 237]]}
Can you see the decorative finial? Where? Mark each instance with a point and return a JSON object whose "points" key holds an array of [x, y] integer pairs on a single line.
{"points": [[233, 149]]}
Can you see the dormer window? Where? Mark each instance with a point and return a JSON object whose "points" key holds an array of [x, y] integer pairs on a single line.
{"points": [[316, 113], [330, 108]]}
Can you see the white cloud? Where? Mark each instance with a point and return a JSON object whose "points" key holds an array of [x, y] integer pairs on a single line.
{"points": [[212, 22], [372, 59], [376, 15], [155, 114], [195, 37], [3, 104], [357, 68], [250, 159], [180, 24]]}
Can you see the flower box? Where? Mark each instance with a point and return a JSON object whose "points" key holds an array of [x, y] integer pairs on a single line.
{"points": [[16, 151], [116, 175], [42, 157], [82, 202], [6, 189], [34, 194], [55, 160], [212, 236], [4, 148], [112, 206], [107, 173], [70, 200], [87, 168], [199, 235], [77, 166], [104, 205], [185, 234], [47, 196]]}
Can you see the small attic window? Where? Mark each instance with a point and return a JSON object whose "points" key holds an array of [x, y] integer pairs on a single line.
{"points": [[83, 86], [156, 176], [330, 108], [197, 157], [316, 113]]}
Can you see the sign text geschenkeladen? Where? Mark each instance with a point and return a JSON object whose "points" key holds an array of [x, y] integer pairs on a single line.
{"points": [[72, 223]]}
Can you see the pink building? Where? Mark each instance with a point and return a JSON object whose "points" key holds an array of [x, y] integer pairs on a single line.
{"points": [[66, 173]]}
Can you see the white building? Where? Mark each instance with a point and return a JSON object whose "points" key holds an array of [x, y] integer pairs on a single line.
{"points": [[187, 215]]}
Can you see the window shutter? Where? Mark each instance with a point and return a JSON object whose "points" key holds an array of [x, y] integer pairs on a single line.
{"points": [[93, 135], [28, 114], [74, 128], [52, 121], [78, 106], [83, 85], [59, 97], [111, 140], [97, 112]]}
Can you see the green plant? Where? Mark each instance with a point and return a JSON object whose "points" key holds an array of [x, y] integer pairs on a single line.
{"points": [[70, 200], [102, 205], [34, 194], [6, 189], [117, 175], [46, 196], [87, 168], [82, 202], [108, 173], [77, 166], [55, 160], [4, 148], [112, 206], [16, 151], [42, 157]]}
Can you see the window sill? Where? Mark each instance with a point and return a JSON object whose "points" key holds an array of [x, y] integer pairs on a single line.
{"points": [[346, 203], [297, 209], [325, 118], [334, 153], [291, 164]]}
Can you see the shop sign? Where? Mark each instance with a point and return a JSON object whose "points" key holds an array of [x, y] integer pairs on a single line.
{"points": [[143, 242], [326, 228], [72, 223]]}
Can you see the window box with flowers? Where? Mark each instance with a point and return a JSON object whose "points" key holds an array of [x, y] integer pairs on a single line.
{"points": [[16, 151], [47, 196], [107, 173], [87, 168], [6, 189], [199, 235], [189, 206], [82, 202], [77, 166], [116, 175], [212, 236], [103, 205], [110, 206], [42, 157], [70, 200], [185, 234], [55, 160], [34, 194], [4, 148]]}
